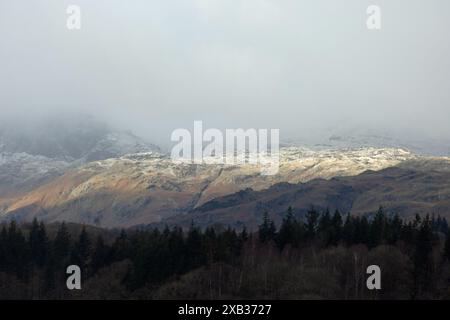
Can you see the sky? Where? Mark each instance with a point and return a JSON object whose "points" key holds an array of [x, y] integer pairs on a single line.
{"points": [[303, 67]]}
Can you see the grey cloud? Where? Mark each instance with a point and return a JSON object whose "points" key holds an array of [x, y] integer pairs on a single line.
{"points": [[301, 66]]}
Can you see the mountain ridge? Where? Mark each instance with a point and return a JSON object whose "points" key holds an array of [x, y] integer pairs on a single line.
{"points": [[149, 187], [403, 189]]}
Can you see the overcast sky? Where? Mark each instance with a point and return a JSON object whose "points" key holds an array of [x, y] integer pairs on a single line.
{"points": [[300, 66]]}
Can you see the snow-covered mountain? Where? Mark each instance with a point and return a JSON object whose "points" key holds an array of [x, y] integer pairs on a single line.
{"points": [[81, 170], [35, 152], [150, 187], [69, 138], [418, 143]]}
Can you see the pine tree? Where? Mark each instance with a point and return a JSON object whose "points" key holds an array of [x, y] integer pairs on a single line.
{"points": [[211, 245], [377, 229], [288, 230], [394, 229], [232, 244], [312, 217], [177, 250], [82, 250], [324, 227], [62, 245], [423, 261], [121, 247], [362, 230], [348, 230], [447, 247], [244, 234], [336, 228], [417, 221], [3, 248], [100, 254], [267, 229], [38, 243], [17, 256], [324, 221], [195, 254], [443, 226]]}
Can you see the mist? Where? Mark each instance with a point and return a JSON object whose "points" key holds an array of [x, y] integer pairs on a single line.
{"points": [[306, 68]]}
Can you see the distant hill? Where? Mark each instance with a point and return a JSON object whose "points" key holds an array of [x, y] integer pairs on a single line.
{"points": [[31, 154], [419, 186], [148, 188], [77, 169], [69, 138]]}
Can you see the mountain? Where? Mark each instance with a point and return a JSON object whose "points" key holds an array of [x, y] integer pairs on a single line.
{"points": [[35, 152], [69, 138], [416, 186], [20, 172], [78, 169], [361, 137], [149, 187]]}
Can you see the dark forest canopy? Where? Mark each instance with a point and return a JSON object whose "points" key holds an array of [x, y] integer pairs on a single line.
{"points": [[324, 256]]}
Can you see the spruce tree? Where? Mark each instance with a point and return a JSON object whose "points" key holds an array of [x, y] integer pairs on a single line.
{"points": [[17, 257], [336, 228], [82, 250], [423, 261], [377, 229], [447, 247], [267, 229], [100, 254], [288, 230], [62, 245], [312, 217], [195, 254], [3, 248], [38, 243]]}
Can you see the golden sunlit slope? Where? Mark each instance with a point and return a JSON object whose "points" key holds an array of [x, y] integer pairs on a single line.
{"points": [[149, 187], [419, 186]]}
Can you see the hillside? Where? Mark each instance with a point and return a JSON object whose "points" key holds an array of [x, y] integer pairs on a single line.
{"points": [[149, 187], [418, 186]]}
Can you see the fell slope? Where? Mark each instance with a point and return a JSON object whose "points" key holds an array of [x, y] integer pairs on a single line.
{"points": [[149, 188], [418, 186]]}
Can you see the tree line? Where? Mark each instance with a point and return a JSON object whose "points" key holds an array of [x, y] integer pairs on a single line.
{"points": [[287, 261]]}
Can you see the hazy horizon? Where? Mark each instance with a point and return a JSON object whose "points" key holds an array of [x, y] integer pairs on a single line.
{"points": [[305, 68]]}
